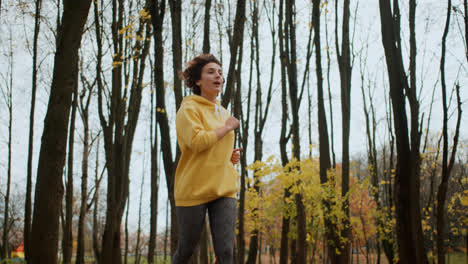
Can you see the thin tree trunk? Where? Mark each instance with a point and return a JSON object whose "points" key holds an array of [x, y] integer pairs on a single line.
{"points": [[206, 27], [137, 251], [49, 187], [465, 7], [300, 254], [332, 134], [324, 148], [235, 50], [253, 245], [8, 96], [388, 244], [96, 249], [27, 207], [67, 225], [447, 164], [345, 67], [284, 138], [126, 231], [254, 50], [161, 116], [84, 113], [154, 163], [372, 149], [242, 139], [166, 232]]}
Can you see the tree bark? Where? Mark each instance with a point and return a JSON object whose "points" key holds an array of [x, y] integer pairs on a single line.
{"points": [[8, 96], [324, 147], [157, 9], [175, 7], [465, 8], [237, 39], [161, 116], [84, 113], [345, 68], [49, 188], [67, 224], [96, 249], [447, 164], [206, 27], [260, 113], [166, 233], [332, 131], [295, 103], [409, 230], [284, 138], [154, 170], [125, 257], [27, 207], [138, 243]]}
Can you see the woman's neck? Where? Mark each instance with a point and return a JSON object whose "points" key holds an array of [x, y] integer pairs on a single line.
{"points": [[211, 98]]}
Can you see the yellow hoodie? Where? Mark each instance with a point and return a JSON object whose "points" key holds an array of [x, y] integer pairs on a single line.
{"points": [[205, 171]]}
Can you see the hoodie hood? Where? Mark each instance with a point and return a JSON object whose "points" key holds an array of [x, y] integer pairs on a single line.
{"points": [[197, 100]]}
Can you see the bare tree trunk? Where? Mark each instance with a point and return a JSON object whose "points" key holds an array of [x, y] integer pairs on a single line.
{"points": [[84, 207], [166, 232], [371, 126], [8, 97], [126, 231], [27, 207], [409, 230], [388, 244], [96, 249], [332, 131], [154, 145], [345, 67], [175, 7], [237, 38], [295, 103], [137, 251], [252, 252], [447, 164], [119, 127], [157, 11], [284, 138], [67, 224], [465, 7], [206, 27], [49, 187], [260, 112], [324, 149]]}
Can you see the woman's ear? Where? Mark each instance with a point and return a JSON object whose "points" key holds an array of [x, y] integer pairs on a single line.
{"points": [[198, 83]]}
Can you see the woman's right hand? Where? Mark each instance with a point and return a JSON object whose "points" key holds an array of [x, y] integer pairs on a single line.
{"points": [[231, 123]]}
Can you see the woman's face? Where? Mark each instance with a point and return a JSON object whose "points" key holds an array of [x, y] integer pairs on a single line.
{"points": [[211, 79]]}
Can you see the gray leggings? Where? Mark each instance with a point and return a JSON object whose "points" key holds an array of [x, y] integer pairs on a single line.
{"points": [[190, 220]]}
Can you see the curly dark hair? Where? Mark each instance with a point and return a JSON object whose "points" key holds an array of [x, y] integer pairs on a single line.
{"points": [[192, 73]]}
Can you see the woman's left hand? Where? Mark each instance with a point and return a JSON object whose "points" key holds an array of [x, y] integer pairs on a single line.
{"points": [[235, 157]]}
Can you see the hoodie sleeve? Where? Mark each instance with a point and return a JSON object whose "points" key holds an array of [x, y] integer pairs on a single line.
{"points": [[191, 132]]}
